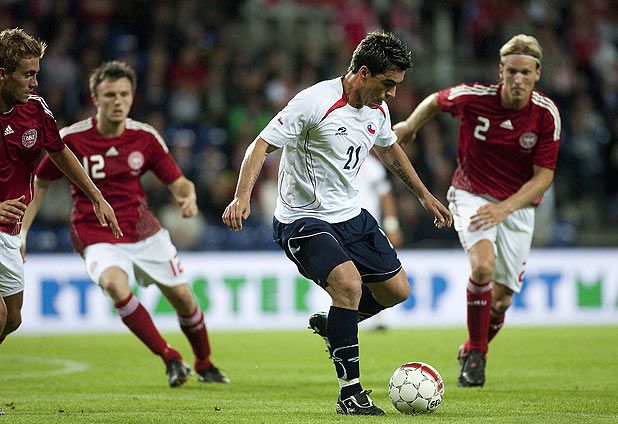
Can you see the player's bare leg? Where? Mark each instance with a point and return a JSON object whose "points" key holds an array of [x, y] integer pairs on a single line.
{"points": [[2, 315], [133, 314], [12, 311], [392, 291], [472, 354], [192, 324]]}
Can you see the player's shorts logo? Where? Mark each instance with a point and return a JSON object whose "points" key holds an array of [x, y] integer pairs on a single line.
{"points": [[371, 128], [528, 140], [135, 161], [29, 138]]}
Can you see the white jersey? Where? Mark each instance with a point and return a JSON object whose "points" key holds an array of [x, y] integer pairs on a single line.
{"points": [[372, 183], [325, 141]]}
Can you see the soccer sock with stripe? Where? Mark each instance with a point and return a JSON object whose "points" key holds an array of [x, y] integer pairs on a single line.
{"points": [[368, 305], [194, 328], [495, 323], [342, 331], [479, 307], [135, 316]]}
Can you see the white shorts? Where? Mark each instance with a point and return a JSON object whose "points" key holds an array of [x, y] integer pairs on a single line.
{"points": [[511, 238], [11, 265], [153, 260]]}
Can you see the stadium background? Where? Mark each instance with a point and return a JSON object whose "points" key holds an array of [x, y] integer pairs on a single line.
{"points": [[211, 75]]}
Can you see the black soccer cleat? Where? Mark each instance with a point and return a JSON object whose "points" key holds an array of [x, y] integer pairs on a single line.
{"points": [[177, 372], [317, 323], [212, 374], [358, 404], [471, 368]]}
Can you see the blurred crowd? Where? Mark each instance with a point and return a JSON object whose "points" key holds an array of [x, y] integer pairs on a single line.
{"points": [[211, 74]]}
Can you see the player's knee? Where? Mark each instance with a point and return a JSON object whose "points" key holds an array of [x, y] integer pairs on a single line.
{"points": [[482, 271], [400, 295], [346, 293], [13, 321]]}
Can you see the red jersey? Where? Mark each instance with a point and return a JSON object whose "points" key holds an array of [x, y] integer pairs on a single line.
{"points": [[26, 130], [497, 146], [115, 166]]}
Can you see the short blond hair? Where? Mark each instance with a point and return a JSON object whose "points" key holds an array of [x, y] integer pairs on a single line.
{"points": [[524, 45], [17, 45]]}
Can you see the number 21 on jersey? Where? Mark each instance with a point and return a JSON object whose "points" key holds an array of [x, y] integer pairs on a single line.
{"points": [[94, 166]]}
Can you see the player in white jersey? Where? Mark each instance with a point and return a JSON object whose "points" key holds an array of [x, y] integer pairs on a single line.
{"points": [[326, 132]]}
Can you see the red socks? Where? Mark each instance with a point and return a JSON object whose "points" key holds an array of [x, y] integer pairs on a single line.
{"points": [[479, 307], [135, 316], [195, 329], [495, 324]]}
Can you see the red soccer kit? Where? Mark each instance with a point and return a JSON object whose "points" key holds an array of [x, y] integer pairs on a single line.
{"points": [[497, 146], [25, 130], [115, 166]]}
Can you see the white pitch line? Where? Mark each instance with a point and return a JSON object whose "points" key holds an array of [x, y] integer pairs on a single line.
{"points": [[67, 366]]}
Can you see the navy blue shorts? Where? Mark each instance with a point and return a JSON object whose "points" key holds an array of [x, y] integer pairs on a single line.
{"points": [[317, 247]]}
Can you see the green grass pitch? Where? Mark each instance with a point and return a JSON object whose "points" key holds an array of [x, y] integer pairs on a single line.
{"points": [[534, 375]]}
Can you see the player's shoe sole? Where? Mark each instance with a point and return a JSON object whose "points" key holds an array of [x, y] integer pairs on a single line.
{"points": [[317, 323]]}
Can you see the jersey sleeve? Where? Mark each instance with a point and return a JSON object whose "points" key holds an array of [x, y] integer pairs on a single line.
{"points": [[47, 170], [52, 142], [452, 100], [292, 121], [546, 153], [386, 136], [162, 163]]}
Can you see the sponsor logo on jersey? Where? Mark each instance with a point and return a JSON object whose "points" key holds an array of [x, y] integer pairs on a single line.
{"points": [[528, 140], [507, 125], [280, 121], [135, 161], [342, 131], [29, 138], [8, 130], [112, 151], [371, 128]]}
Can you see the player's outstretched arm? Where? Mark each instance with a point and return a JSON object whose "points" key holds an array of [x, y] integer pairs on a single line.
{"points": [[41, 187], [239, 208], [183, 191], [395, 159], [406, 130], [66, 161]]}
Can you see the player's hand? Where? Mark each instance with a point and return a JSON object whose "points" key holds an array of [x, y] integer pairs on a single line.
{"points": [[12, 210], [106, 216], [403, 132], [442, 216], [234, 214], [188, 205], [487, 216]]}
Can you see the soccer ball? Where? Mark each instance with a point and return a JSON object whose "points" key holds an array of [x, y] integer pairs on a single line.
{"points": [[416, 387]]}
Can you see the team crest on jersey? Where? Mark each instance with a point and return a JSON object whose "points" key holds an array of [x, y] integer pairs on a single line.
{"points": [[29, 138], [528, 140], [135, 161], [371, 128]]}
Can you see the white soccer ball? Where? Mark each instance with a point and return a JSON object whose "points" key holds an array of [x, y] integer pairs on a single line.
{"points": [[416, 387]]}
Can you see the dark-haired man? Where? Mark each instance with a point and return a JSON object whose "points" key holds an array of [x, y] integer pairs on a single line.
{"points": [[326, 132]]}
